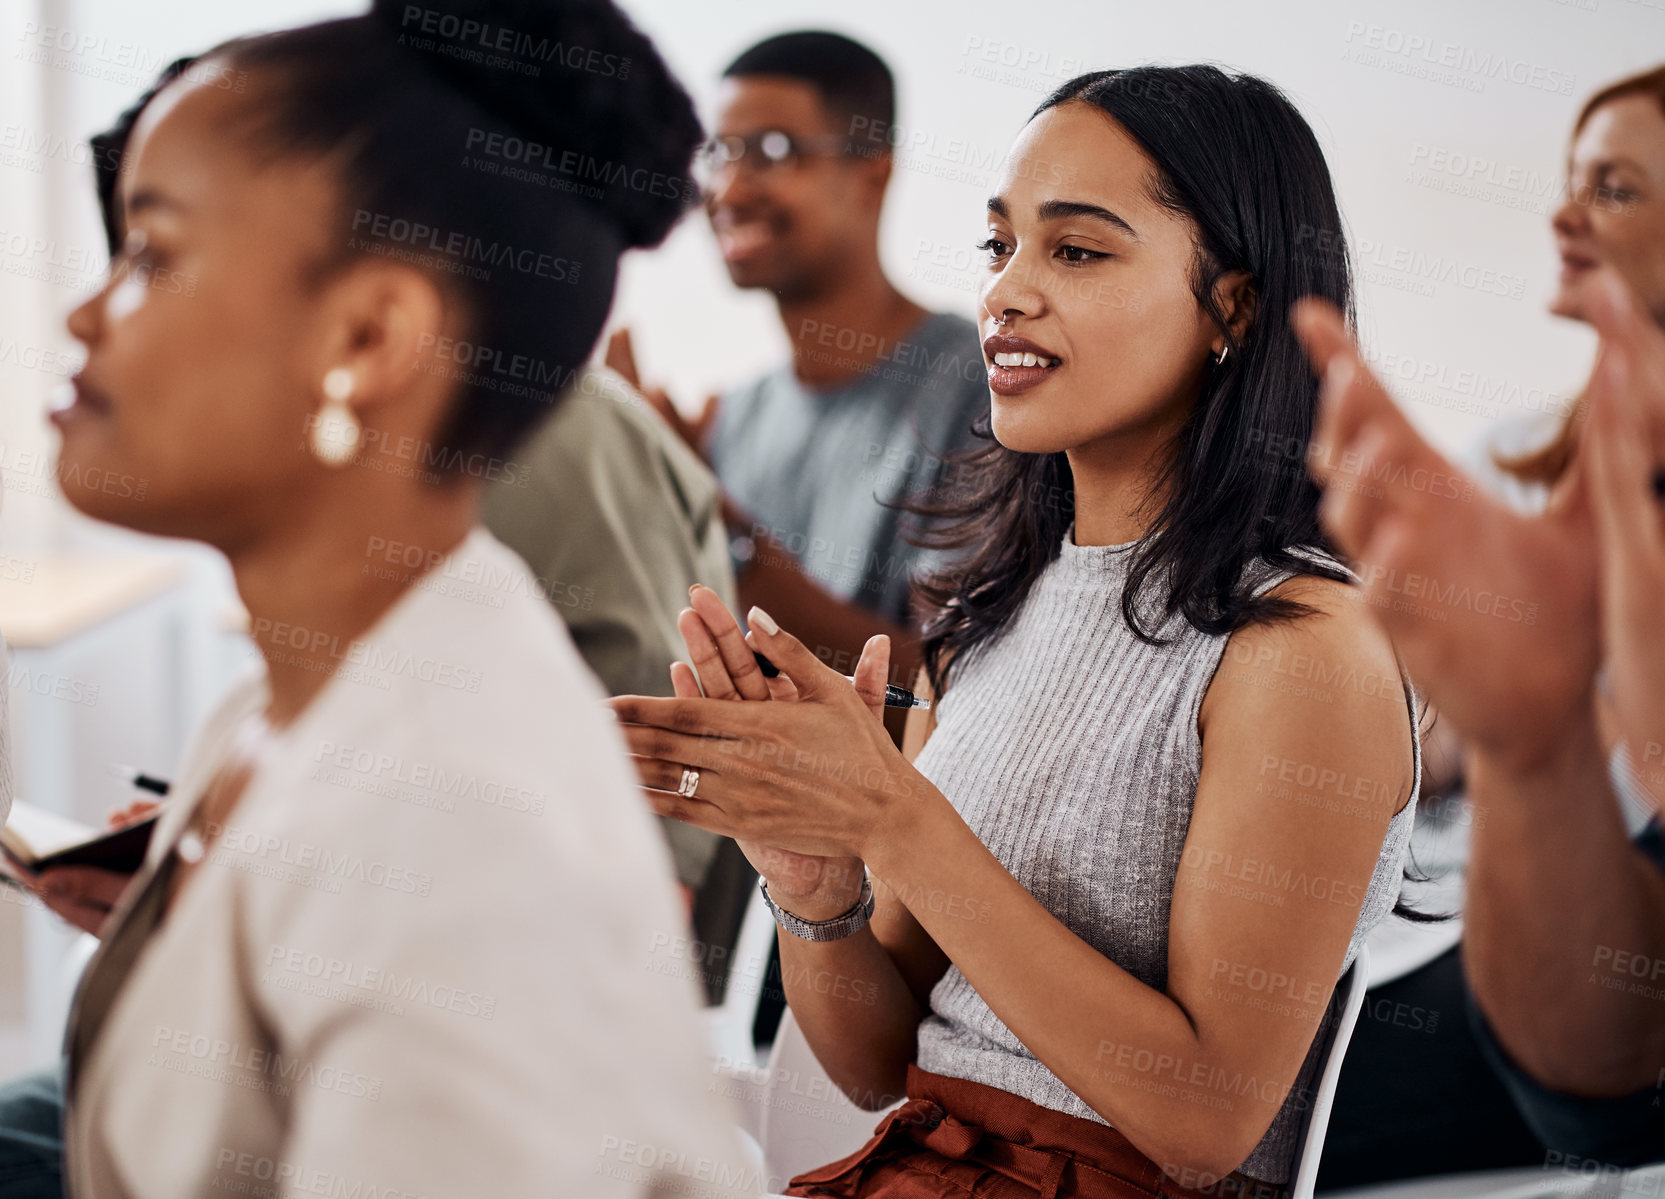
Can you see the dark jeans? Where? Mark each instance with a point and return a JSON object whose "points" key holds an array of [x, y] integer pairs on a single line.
{"points": [[31, 1136], [1416, 1096]]}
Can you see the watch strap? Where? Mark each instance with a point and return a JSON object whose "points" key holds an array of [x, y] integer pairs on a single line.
{"points": [[839, 927]]}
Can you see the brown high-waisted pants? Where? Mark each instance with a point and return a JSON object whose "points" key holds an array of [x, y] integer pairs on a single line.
{"points": [[963, 1139]]}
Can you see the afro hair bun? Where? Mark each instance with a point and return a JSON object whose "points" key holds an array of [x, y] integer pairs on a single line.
{"points": [[578, 81]]}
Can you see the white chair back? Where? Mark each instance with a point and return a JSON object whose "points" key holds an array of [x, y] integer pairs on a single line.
{"points": [[731, 1021], [1353, 986], [806, 1119]]}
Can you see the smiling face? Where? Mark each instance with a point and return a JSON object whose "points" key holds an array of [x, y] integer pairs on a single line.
{"points": [[1615, 209], [1093, 277], [791, 226]]}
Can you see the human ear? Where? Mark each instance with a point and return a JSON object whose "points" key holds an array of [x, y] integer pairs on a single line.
{"points": [[378, 322], [1237, 299], [875, 170]]}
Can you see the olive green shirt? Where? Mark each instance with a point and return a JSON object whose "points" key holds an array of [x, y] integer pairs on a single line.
{"points": [[617, 519]]}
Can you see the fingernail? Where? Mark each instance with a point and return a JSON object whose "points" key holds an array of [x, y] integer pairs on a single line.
{"points": [[757, 616]]}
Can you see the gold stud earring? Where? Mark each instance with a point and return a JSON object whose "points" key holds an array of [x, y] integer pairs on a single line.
{"points": [[336, 429]]}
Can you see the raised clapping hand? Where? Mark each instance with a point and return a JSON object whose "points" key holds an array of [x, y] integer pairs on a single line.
{"points": [[1504, 618], [621, 357], [1624, 450], [801, 773]]}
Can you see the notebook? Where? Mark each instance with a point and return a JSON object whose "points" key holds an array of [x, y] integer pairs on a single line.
{"points": [[38, 840]]}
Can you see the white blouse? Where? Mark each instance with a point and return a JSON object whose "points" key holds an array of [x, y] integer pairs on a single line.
{"points": [[434, 951]]}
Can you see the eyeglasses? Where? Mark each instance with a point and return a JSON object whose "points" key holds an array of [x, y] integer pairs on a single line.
{"points": [[766, 150]]}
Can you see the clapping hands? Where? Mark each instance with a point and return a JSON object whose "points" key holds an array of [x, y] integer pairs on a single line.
{"points": [[762, 775], [1506, 619]]}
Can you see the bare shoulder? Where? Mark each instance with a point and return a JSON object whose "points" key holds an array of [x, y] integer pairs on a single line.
{"points": [[1321, 681], [1337, 632]]}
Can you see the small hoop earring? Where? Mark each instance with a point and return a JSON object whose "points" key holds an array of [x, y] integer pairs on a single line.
{"points": [[1224, 350], [336, 429]]}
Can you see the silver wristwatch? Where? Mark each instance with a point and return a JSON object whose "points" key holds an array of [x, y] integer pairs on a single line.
{"points": [[838, 927]]}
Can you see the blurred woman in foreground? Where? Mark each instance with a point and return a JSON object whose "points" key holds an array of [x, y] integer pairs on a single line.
{"points": [[395, 931]]}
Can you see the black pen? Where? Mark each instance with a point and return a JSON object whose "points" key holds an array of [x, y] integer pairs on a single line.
{"points": [[143, 782], [895, 697]]}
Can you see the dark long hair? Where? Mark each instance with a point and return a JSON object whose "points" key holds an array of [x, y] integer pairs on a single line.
{"points": [[1234, 156]]}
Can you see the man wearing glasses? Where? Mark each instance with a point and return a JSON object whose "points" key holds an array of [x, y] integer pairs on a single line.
{"points": [[878, 392]]}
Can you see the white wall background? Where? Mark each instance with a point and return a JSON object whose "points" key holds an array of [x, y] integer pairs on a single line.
{"points": [[1404, 148], [1446, 174]]}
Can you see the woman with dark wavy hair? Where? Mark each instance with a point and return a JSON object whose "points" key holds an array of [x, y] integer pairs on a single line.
{"points": [[1167, 787], [395, 934]]}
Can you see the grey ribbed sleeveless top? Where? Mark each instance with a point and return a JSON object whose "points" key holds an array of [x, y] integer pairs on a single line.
{"points": [[1070, 748]]}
